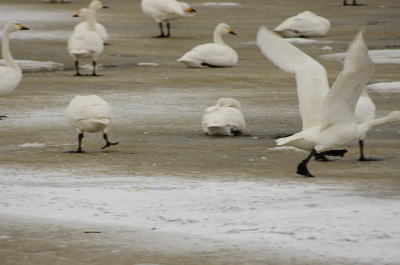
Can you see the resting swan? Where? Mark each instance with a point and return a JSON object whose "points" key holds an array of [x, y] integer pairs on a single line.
{"points": [[10, 74], [163, 11], [89, 114], [100, 29], [87, 44], [225, 118], [305, 24], [328, 115], [216, 54]]}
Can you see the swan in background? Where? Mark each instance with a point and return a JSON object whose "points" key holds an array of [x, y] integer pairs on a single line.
{"points": [[163, 11], [89, 114], [365, 111], [58, 1], [305, 24], [10, 74], [86, 44], [225, 118], [100, 29], [328, 115], [346, 4], [216, 54]]}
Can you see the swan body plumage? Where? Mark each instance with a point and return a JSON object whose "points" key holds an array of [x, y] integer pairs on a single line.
{"points": [[216, 54], [11, 73], [99, 28], [225, 118], [86, 44], [89, 114], [328, 115], [164, 11], [305, 24]]}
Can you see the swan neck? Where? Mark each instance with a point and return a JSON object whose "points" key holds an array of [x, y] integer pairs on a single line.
{"points": [[5, 43], [377, 122], [218, 37], [94, 12], [91, 21]]}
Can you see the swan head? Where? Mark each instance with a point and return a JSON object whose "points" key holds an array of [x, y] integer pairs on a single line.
{"points": [[96, 4], [225, 28], [83, 12], [393, 116], [229, 102], [12, 26]]}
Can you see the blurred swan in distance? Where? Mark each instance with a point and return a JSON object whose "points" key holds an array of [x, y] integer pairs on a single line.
{"points": [[225, 118], [164, 11], [303, 25], [216, 54]]}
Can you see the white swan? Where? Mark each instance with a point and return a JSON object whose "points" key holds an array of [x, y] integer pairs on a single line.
{"points": [[216, 54], [100, 29], [225, 118], [10, 74], [328, 115], [305, 24], [89, 114], [163, 11], [87, 44]]}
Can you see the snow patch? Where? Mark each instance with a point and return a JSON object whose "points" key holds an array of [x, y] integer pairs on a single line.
{"points": [[307, 41], [377, 56], [389, 87], [37, 66], [28, 145], [285, 148], [223, 4]]}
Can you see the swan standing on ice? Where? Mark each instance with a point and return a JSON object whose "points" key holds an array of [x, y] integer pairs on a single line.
{"points": [[305, 24], [163, 11], [10, 74], [216, 54], [328, 115], [100, 29], [86, 44], [225, 118], [89, 114], [365, 111]]}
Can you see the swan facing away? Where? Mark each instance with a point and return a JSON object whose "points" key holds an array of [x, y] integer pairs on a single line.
{"points": [[225, 118], [216, 54], [10, 74], [328, 114], [163, 11], [86, 44], [100, 29], [305, 24], [89, 114]]}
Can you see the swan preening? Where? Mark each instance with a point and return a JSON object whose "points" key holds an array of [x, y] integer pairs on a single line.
{"points": [[86, 44], [163, 11], [100, 29], [10, 74], [89, 114], [305, 24], [328, 115], [216, 54], [225, 118]]}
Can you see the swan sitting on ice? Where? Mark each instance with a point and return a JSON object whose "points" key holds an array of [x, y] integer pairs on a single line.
{"points": [[305, 24], [216, 54], [225, 118], [100, 29], [163, 11], [87, 44], [10, 74], [328, 115], [89, 114]]}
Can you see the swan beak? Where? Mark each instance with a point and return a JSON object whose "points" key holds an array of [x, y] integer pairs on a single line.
{"points": [[104, 6], [22, 27], [76, 15], [230, 31], [190, 10]]}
